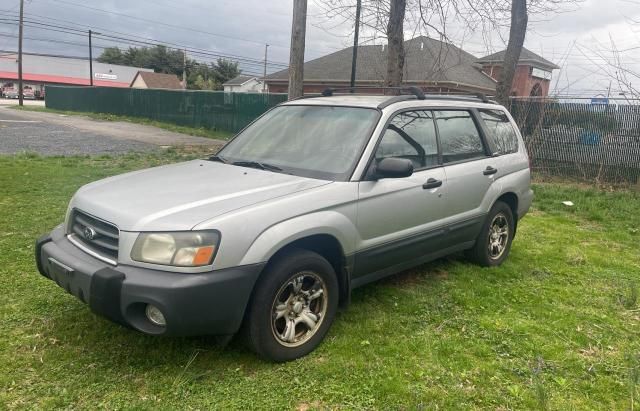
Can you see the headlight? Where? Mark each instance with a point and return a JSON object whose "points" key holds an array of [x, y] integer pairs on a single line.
{"points": [[182, 249]]}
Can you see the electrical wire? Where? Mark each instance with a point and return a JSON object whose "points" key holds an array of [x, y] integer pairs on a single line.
{"points": [[115, 13], [243, 61], [147, 41]]}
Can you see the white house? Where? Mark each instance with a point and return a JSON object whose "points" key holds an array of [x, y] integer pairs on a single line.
{"points": [[243, 84]]}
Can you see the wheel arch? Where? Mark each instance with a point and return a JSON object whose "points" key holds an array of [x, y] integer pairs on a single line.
{"points": [[329, 248], [326, 245], [329, 233], [511, 199]]}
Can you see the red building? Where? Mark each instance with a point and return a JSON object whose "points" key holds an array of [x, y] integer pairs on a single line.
{"points": [[42, 69], [533, 73]]}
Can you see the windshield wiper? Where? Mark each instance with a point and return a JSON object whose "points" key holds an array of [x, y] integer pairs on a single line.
{"points": [[255, 164], [218, 159]]}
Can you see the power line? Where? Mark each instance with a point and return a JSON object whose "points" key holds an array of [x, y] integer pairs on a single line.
{"points": [[148, 41], [194, 64], [138, 43], [70, 43], [102, 29], [115, 13]]}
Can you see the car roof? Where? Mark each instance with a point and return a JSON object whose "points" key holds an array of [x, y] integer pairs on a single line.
{"points": [[381, 101]]}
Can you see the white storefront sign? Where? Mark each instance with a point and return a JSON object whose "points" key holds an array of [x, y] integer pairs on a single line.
{"points": [[539, 73], [103, 76]]}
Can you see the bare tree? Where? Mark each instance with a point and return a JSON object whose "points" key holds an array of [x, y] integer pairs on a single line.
{"points": [[395, 38], [614, 63], [489, 17], [517, 33]]}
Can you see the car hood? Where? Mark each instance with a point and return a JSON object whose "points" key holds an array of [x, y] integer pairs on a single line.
{"points": [[179, 196]]}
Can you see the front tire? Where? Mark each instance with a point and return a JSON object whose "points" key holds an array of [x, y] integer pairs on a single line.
{"points": [[494, 241], [293, 306]]}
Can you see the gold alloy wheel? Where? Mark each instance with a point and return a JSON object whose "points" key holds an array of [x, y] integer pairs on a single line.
{"points": [[498, 236], [299, 309]]}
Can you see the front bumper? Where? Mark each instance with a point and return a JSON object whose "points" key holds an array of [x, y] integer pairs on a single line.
{"points": [[211, 303]]}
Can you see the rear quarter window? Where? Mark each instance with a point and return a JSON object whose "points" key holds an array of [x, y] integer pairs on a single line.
{"points": [[500, 131]]}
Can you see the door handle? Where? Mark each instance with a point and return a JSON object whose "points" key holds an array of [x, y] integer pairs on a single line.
{"points": [[489, 170], [432, 183]]}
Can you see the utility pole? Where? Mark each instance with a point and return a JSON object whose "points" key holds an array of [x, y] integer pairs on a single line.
{"points": [[20, 34], [184, 69], [90, 60], [356, 33], [264, 83], [296, 58]]}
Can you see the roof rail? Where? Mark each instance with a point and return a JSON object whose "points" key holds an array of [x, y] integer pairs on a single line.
{"points": [[416, 91], [395, 99], [461, 96], [416, 94]]}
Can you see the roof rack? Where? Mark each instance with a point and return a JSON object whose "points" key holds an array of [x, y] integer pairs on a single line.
{"points": [[452, 97], [419, 94], [416, 94], [471, 96]]}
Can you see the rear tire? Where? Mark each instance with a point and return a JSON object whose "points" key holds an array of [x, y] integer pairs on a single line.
{"points": [[293, 307], [494, 241]]}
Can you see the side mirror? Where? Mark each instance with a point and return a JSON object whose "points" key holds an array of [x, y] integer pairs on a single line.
{"points": [[394, 167]]}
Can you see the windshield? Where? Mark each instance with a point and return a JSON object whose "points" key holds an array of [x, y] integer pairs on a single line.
{"points": [[310, 141]]}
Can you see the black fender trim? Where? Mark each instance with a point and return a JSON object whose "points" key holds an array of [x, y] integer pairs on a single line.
{"points": [[38, 251]]}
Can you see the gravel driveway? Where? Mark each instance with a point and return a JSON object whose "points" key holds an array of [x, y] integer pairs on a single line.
{"points": [[52, 134]]}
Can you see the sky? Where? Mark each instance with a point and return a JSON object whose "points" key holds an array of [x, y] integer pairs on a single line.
{"points": [[578, 39]]}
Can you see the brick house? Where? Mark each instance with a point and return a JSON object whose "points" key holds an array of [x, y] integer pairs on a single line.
{"points": [[533, 73], [433, 65]]}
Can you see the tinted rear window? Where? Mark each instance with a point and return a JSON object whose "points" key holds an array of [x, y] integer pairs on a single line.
{"points": [[500, 131]]}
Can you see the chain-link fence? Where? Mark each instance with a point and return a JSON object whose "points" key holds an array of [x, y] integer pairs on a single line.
{"points": [[593, 140]]}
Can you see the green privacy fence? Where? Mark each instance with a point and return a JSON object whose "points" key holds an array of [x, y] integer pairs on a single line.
{"points": [[208, 109]]}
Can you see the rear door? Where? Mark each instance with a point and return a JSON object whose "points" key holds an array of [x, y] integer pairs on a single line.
{"points": [[398, 217], [470, 171], [503, 139]]}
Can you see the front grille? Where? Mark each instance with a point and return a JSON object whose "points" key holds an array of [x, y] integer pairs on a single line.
{"points": [[97, 235]]}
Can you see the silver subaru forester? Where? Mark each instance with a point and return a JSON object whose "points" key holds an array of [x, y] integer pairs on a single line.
{"points": [[316, 197]]}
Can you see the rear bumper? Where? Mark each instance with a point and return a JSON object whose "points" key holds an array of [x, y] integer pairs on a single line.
{"points": [[193, 304]]}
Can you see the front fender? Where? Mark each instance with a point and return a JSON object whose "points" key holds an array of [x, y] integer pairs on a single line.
{"points": [[274, 238]]}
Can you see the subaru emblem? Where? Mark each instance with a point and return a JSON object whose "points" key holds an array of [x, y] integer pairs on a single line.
{"points": [[89, 233]]}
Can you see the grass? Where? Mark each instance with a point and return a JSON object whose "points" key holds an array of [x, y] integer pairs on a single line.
{"points": [[192, 131], [555, 327]]}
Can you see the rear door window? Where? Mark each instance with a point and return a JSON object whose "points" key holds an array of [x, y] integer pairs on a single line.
{"points": [[500, 131], [459, 136]]}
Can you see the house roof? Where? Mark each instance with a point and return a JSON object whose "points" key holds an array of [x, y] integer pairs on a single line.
{"points": [[526, 56], [426, 60], [159, 80], [238, 80], [44, 68]]}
